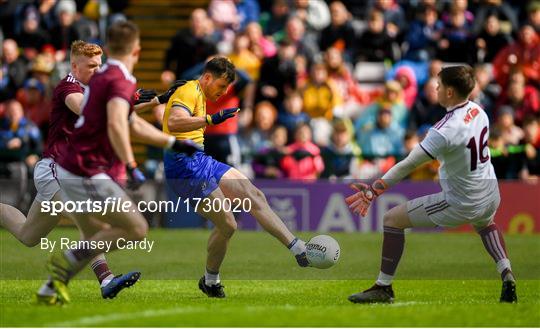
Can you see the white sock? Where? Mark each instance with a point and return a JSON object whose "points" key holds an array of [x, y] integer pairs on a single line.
{"points": [[45, 290], [70, 257], [297, 246], [384, 279], [107, 280], [503, 264], [211, 279]]}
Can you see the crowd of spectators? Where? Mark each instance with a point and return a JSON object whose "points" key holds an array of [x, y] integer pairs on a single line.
{"points": [[35, 36], [304, 113]]}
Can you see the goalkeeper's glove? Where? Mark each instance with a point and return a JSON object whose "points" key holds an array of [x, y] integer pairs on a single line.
{"points": [[164, 98], [221, 116], [144, 95], [365, 194], [135, 176]]}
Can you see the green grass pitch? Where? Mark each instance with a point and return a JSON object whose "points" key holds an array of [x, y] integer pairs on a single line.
{"points": [[443, 280]]}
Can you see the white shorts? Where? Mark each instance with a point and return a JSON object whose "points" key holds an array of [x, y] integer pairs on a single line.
{"points": [[96, 188], [433, 210], [45, 179]]}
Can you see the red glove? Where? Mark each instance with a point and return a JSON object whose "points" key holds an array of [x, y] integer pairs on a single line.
{"points": [[359, 202]]}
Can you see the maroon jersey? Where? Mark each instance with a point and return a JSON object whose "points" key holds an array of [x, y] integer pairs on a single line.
{"points": [[90, 152], [62, 118]]}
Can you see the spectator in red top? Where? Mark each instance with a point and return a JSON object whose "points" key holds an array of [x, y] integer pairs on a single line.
{"points": [[303, 160], [523, 54], [36, 106], [524, 99]]}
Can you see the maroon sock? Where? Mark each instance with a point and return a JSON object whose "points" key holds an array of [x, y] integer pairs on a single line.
{"points": [[393, 243], [81, 254], [493, 242], [101, 269]]}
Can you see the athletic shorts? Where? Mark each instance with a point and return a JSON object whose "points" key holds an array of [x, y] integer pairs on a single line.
{"points": [[45, 179], [193, 176], [96, 188], [433, 210]]}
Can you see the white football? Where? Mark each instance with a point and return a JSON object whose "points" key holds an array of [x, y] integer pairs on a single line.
{"points": [[322, 251]]}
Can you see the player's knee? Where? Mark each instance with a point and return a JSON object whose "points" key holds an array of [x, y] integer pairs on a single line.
{"points": [[29, 241], [390, 220], [138, 231], [230, 227]]}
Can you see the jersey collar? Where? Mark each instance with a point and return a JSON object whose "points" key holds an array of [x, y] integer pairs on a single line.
{"points": [[80, 83], [457, 106], [123, 68]]}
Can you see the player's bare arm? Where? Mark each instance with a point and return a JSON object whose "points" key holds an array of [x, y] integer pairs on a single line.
{"points": [[181, 121], [74, 101], [142, 131], [118, 129]]}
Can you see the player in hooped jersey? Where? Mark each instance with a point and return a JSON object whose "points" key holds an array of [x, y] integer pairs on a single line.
{"points": [[469, 194], [93, 164]]}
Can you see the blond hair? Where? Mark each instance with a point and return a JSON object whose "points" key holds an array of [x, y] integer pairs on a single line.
{"points": [[82, 48]]}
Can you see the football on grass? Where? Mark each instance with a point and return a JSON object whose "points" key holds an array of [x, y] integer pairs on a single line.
{"points": [[322, 251]]}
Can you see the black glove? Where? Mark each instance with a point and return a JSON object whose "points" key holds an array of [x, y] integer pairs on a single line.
{"points": [[164, 98], [144, 95], [221, 116], [135, 176], [185, 146]]}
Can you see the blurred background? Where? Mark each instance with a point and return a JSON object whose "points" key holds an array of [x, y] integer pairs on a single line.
{"points": [[328, 90]]}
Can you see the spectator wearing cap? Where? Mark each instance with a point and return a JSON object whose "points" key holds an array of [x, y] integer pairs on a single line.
{"points": [[340, 34], [340, 154], [314, 13], [65, 32], [407, 79], [32, 38], [392, 99], [36, 106], [383, 140], [14, 67], [523, 53]]}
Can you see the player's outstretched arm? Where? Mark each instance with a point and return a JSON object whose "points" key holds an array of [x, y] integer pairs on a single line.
{"points": [[143, 132], [365, 194]]}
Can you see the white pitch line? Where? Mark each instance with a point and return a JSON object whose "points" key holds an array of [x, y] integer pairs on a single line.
{"points": [[100, 319]]}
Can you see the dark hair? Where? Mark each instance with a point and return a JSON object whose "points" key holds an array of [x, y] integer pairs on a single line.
{"points": [[460, 78], [221, 67], [121, 37]]}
